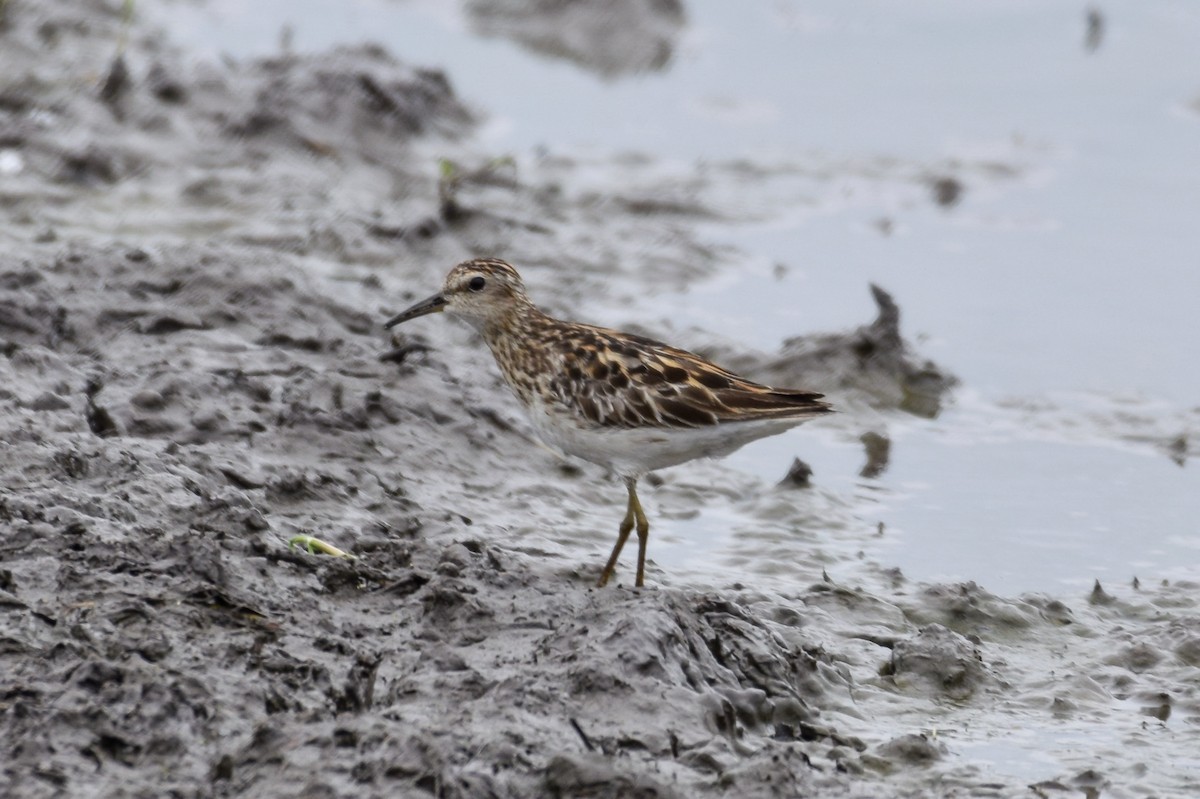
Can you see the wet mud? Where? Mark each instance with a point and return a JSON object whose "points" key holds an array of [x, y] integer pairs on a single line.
{"points": [[613, 38], [198, 258]]}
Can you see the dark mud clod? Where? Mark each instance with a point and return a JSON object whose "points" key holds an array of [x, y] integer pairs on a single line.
{"points": [[914, 749], [798, 475], [358, 692], [878, 447], [947, 191], [99, 420], [612, 40], [117, 84], [425, 228], [241, 480], [942, 661], [594, 775], [406, 585], [164, 86], [399, 354], [222, 770], [1177, 449], [72, 463], [1099, 596], [89, 167]]}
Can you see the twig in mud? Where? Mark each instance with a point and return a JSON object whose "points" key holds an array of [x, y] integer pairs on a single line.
{"points": [[587, 742]]}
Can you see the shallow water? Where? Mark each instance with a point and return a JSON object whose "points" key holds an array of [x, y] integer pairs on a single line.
{"points": [[1017, 514], [1066, 266]]}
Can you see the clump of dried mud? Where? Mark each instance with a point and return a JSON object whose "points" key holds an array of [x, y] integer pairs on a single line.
{"points": [[198, 258]]}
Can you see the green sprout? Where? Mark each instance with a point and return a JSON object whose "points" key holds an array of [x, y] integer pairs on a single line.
{"points": [[315, 546]]}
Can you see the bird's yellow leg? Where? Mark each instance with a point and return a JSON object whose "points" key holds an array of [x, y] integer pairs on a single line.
{"points": [[632, 511], [643, 531]]}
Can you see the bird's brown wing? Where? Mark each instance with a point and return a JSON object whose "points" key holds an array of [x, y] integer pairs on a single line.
{"points": [[623, 381]]}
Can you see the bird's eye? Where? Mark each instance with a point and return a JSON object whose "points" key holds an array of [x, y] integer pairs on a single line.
{"points": [[476, 284]]}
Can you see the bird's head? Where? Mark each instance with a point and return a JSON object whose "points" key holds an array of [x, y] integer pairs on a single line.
{"points": [[484, 292]]}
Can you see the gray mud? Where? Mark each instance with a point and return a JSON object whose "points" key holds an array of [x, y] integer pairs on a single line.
{"points": [[197, 261]]}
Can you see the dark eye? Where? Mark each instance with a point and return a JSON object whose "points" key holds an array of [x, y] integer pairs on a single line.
{"points": [[476, 284]]}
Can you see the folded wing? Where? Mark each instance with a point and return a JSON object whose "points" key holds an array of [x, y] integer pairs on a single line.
{"points": [[622, 381]]}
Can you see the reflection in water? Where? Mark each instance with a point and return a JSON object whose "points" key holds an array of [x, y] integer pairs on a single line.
{"points": [[612, 38], [1095, 30]]}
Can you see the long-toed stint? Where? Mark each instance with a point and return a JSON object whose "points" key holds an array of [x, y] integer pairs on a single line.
{"points": [[616, 399]]}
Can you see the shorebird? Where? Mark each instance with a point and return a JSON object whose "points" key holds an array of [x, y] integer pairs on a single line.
{"points": [[623, 401]]}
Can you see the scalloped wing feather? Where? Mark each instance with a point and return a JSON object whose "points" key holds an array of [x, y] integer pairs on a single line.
{"points": [[623, 381]]}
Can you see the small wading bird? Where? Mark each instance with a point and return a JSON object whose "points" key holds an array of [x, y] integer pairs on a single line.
{"points": [[623, 401]]}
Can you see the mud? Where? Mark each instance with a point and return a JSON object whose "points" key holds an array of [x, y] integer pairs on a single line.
{"points": [[613, 38], [197, 260]]}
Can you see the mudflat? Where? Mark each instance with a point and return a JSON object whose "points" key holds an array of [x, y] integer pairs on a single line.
{"points": [[198, 259]]}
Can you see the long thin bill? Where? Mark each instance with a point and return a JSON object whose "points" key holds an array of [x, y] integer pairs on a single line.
{"points": [[434, 304]]}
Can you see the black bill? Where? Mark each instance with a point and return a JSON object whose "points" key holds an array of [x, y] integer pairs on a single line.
{"points": [[434, 304]]}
